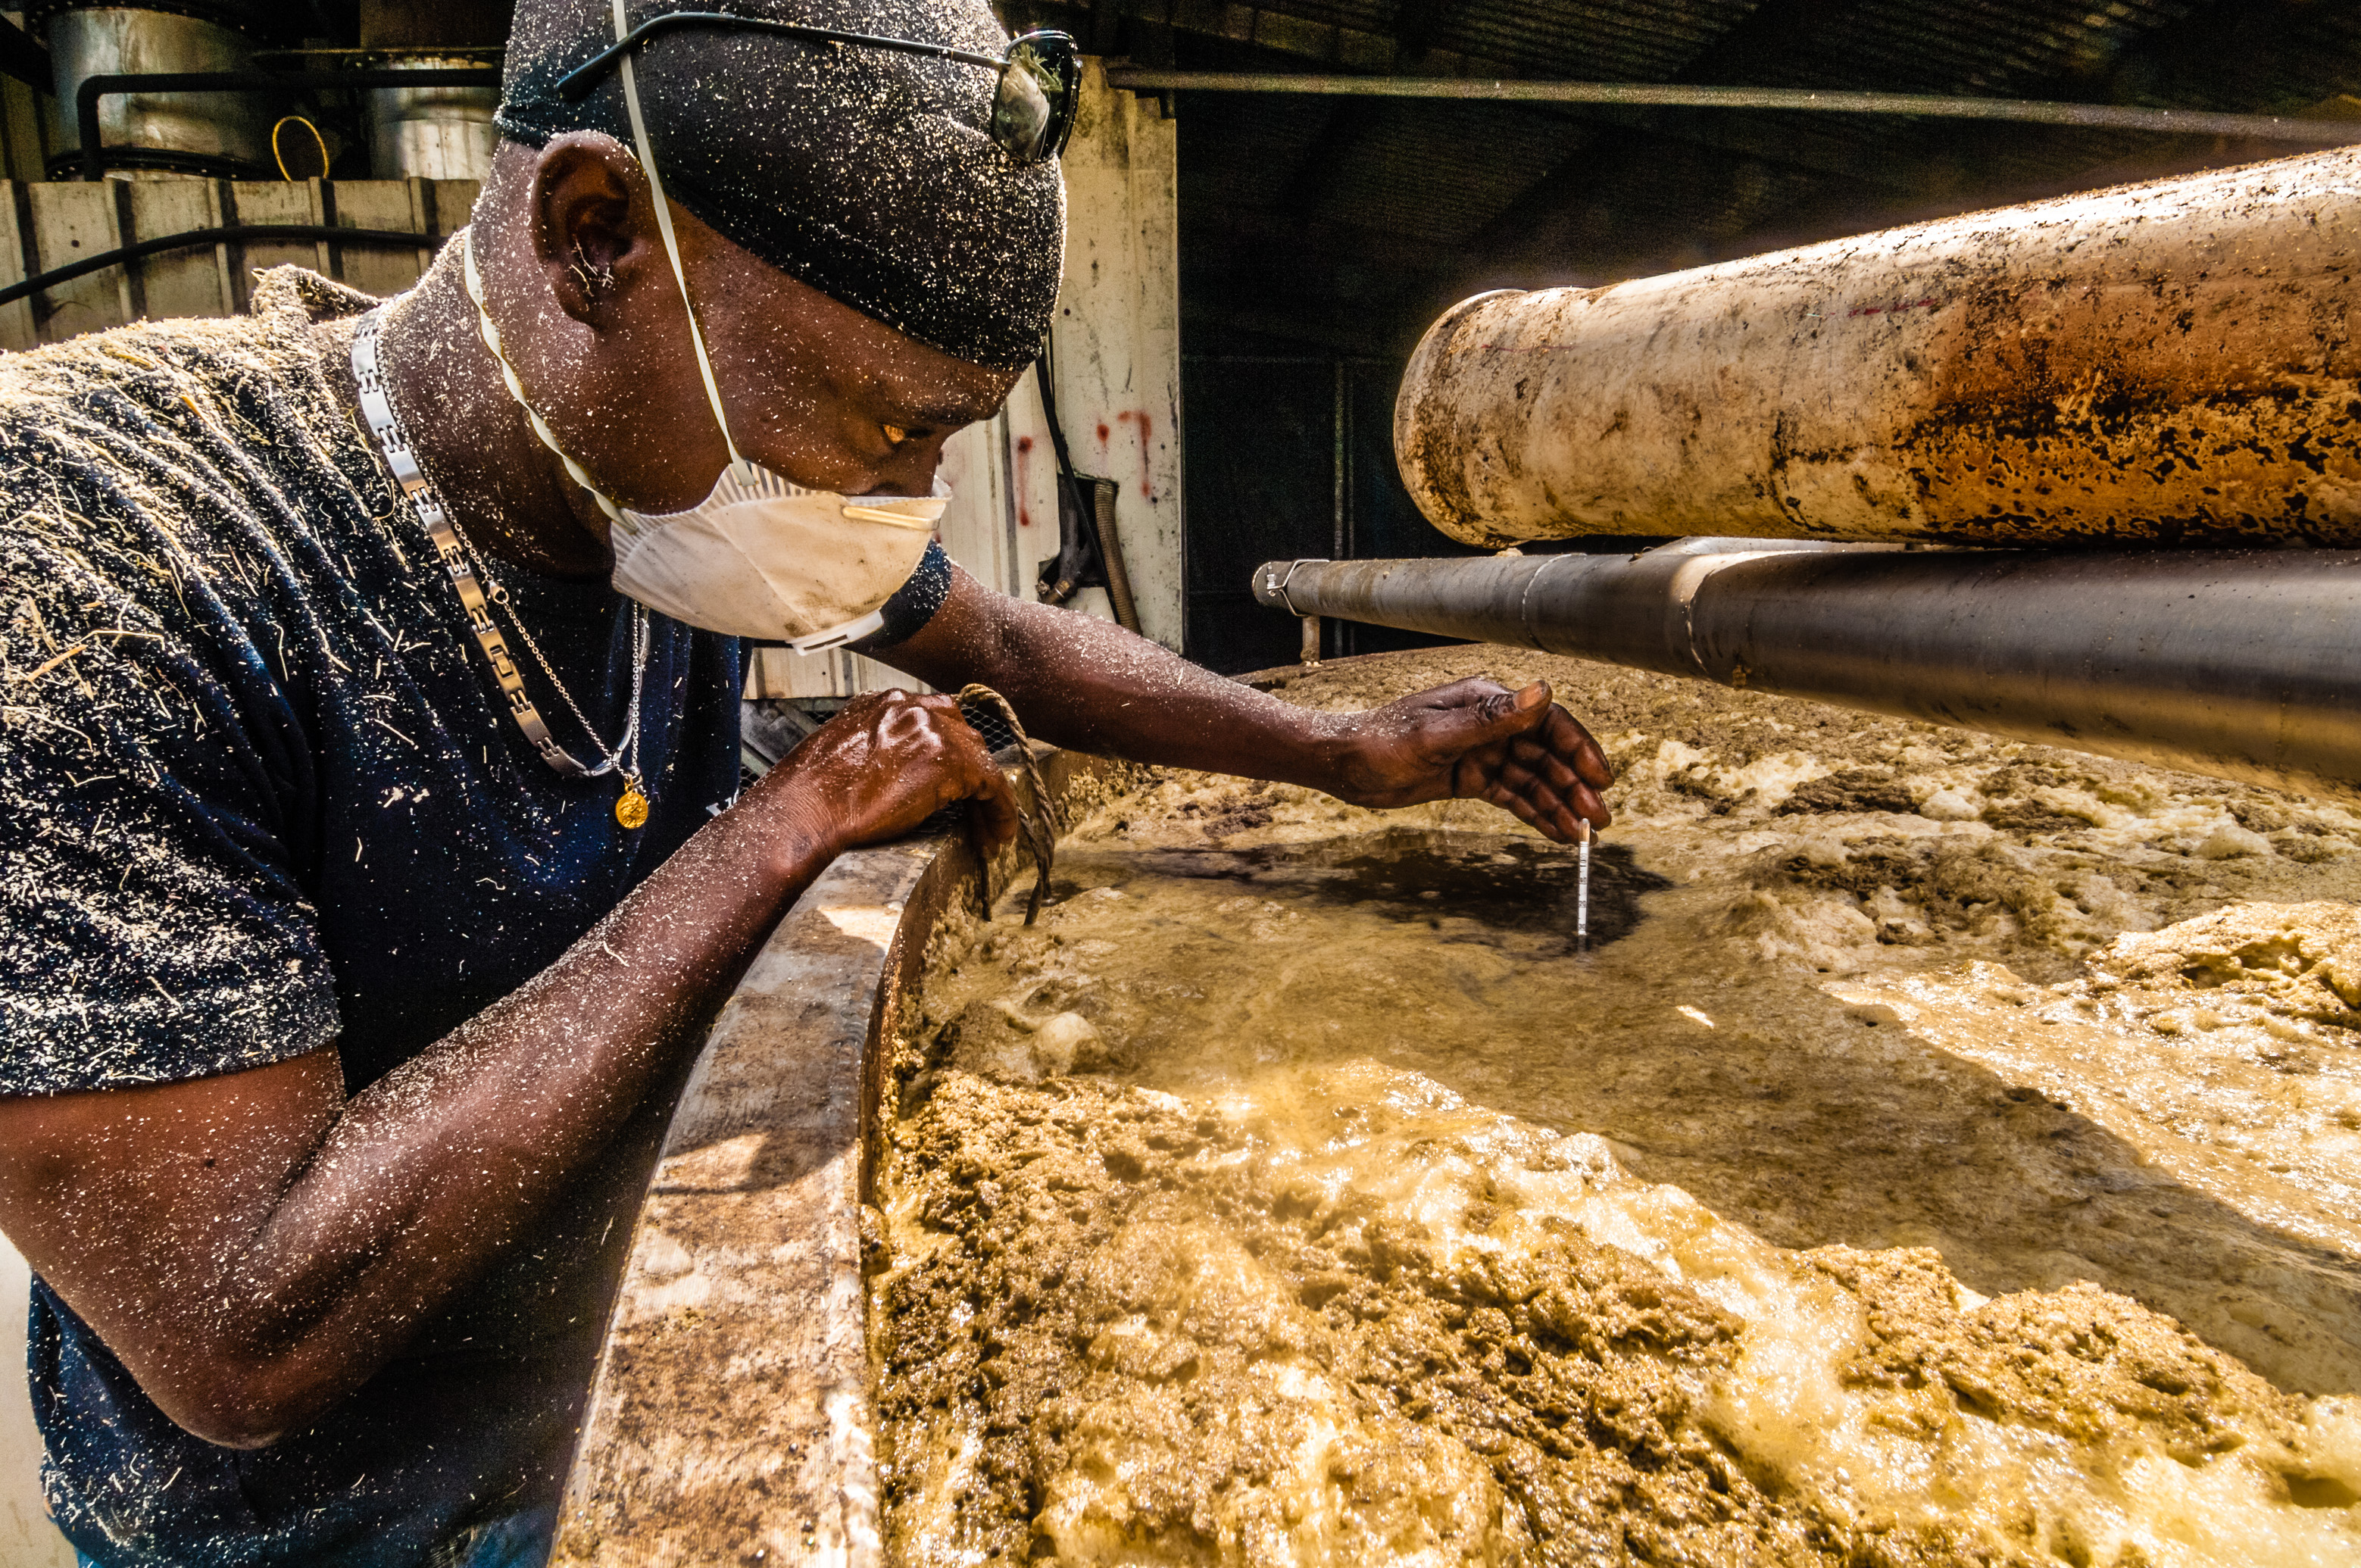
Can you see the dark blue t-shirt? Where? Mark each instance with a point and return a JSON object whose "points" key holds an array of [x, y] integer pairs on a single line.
{"points": [[258, 792]]}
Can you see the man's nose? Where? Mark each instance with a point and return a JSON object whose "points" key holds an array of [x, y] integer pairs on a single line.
{"points": [[910, 471]]}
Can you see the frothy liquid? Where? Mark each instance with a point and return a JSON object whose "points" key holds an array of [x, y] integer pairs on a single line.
{"points": [[1297, 1193]]}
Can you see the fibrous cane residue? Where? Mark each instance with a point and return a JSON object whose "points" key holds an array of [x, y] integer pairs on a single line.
{"points": [[1944, 1158]]}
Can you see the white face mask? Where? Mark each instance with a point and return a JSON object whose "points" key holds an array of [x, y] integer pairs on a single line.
{"points": [[761, 557]]}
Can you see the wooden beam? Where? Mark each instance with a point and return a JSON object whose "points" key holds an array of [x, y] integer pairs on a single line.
{"points": [[181, 282]]}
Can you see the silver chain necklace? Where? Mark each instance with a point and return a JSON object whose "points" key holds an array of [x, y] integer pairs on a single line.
{"points": [[479, 590]]}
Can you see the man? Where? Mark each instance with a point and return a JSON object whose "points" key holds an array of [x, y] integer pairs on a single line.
{"points": [[369, 857]]}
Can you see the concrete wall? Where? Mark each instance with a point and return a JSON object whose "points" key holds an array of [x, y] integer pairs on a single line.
{"points": [[27, 1540], [1117, 343]]}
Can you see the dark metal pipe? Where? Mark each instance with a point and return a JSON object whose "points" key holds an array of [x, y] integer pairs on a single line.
{"points": [[2237, 663], [24, 60], [1650, 94], [227, 234]]}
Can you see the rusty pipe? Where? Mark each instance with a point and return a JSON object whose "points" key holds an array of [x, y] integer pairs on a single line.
{"points": [[2237, 663], [2175, 362]]}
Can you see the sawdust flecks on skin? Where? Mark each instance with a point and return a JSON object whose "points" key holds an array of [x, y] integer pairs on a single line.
{"points": [[1231, 1218]]}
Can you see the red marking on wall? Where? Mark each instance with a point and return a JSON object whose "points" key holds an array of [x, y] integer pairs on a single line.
{"points": [[1138, 416], [1023, 451], [1103, 435]]}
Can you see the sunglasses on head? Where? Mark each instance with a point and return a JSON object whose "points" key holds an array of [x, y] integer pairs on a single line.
{"points": [[1032, 107]]}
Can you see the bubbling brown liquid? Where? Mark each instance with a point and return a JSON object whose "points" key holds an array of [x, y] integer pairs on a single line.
{"points": [[1296, 1192]]}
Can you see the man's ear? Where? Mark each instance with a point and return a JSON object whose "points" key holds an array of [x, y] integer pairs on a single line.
{"points": [[593, 227]]}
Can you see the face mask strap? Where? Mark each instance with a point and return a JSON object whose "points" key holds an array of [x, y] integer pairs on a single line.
{"points": [[672, 246], [492, 337]]}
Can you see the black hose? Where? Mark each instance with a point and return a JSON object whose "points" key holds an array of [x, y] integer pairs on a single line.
{"points": [[190, 238], [70, 164]]}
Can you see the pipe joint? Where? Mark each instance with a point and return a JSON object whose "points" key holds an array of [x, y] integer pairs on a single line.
{"points": [[1270, 583], [2238, 663]]}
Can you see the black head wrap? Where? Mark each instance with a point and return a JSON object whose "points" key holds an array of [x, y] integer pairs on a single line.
{"points": [[867, 173]]}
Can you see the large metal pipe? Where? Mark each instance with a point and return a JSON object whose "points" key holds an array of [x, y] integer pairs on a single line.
{"points": [[2178, 362], [2238, 663]]}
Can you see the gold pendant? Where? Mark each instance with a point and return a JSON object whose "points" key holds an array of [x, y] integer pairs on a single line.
{"points": [[631, 807]]}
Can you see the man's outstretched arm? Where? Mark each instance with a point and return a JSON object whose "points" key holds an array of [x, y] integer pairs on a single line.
{"points": [[1081, 683], [254, 1245]]}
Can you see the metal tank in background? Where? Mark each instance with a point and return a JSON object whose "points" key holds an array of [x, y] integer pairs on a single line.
{"points": [[212, 134], [433, 133], [2177, 362]]}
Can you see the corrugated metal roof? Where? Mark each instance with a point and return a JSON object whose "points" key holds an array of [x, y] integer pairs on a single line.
{"points": [[1423, 174], [1977, 47], [1628, 41], [1350, 222]]}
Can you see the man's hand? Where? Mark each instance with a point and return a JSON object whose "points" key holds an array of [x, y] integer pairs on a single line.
{"points": [[255, 1245], [882, 766], [1086, 685], [1476, 739]]}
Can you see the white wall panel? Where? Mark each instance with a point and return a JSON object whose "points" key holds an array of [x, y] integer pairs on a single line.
{"points": [[1116, 339]]}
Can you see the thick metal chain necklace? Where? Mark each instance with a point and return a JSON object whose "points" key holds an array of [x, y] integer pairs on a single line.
{"points": [[479, 590]]}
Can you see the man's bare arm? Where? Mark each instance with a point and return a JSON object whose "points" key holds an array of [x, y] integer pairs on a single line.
{"points": [[255, 1245], [1081, 683]]}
